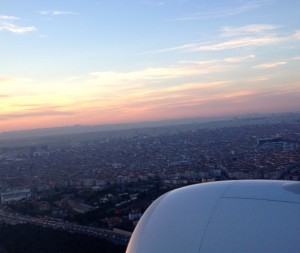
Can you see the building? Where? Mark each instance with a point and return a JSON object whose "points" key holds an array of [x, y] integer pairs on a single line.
{"points": [[7, 197], [82, 208]]}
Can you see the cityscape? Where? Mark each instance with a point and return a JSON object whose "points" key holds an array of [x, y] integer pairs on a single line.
{"points": [[99, 184], [133, 125]]}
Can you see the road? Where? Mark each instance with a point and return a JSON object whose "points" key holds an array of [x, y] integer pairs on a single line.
{"points": [[14, 218]]}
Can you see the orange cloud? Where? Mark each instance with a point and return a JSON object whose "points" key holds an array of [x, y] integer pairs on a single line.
{"points": [[270, 65]]}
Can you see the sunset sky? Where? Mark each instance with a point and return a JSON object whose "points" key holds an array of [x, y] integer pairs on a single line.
{"points": [[66, 62]]}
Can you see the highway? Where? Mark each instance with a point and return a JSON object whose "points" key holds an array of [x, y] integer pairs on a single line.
{"points": [[14, 218]]}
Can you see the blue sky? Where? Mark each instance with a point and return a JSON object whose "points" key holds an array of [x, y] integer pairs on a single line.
{"points": [[93, 62]]}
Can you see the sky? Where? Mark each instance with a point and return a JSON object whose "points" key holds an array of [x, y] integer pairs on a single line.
{"points": [[67, 62]]}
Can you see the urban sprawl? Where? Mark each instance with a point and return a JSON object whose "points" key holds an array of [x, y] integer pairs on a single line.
{"points": [[101, 184]]}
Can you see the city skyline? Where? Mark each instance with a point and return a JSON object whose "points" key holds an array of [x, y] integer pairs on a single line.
{"points": [[103, 62]]}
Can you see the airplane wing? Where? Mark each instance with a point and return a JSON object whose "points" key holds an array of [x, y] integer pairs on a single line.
{"points": [[230, 216]]}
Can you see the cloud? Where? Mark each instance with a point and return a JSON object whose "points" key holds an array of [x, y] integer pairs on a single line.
{"points": [[209, 102], [171, 72], [259, 79], [297, 35], [222, 12], [10, 81], [253, 36], [34, 107], [33, 114], [117, 97], [163, 96], [9, 27], [58, 13], [5, 17], [109, 87], [7, 24], [182, 98], [218, 62], [237, 94], [270, 65], [170, 49], [4, 96], [239, 43], [248, 29], [239, 59], [154, 2], [4, 79]]}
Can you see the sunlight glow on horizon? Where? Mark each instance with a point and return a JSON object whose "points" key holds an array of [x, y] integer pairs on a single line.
{"points": [[74, 63]]}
